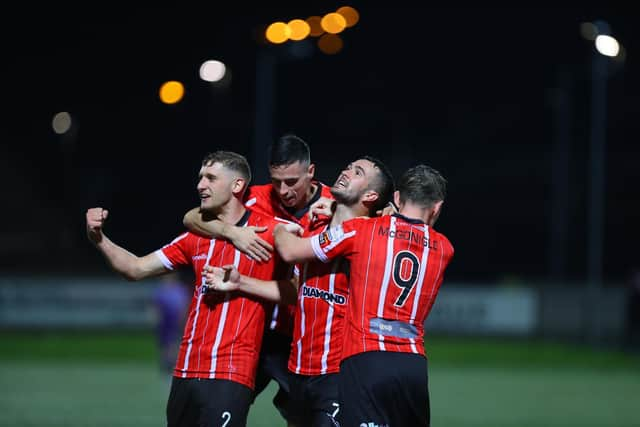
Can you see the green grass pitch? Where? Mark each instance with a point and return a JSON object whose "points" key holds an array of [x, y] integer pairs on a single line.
{"points": [[111, 380]]}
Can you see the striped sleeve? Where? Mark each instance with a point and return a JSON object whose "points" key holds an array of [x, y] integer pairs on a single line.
{"points": [[333, 242], [175, 253]]}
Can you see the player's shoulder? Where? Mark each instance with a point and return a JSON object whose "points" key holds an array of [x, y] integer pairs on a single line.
{"points": [[263, 219], [259, 197], [259, 190], [185, 236], [444, 241], [185, 239], [358, 223]]}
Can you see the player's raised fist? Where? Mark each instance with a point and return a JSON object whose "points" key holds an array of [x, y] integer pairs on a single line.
{"points": [[95, 221]]}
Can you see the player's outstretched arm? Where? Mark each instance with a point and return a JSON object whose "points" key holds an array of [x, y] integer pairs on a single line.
{"points": [[291, 247], [130, 266], [228, 278], [246, 239]]}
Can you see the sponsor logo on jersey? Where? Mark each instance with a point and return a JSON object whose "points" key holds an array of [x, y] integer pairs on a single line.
{"points": [[199, 257], [392, 328], [329, 297]]}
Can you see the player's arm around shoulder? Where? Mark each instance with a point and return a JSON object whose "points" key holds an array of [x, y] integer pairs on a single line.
{"points": [[290, 245], [248, 240], [196, 222]]}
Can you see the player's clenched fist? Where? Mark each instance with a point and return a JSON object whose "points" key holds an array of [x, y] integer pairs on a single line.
{"points": [[95, 221]]}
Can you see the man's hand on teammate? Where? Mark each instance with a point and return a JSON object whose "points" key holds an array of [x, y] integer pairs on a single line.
{"points": [[324, 206], [247, 240], [222, 279], [289, 227], [95, 221], [390, 209]]}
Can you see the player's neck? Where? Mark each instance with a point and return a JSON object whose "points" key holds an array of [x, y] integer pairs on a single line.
{"points": [[344, 213], [416, 212], [232, 212], [310, 193]]}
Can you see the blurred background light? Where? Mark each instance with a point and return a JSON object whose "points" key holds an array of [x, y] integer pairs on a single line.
{"points": [[315, 26], [299, 29], [350, 15], [607, 45], [330, 44], [212, 71], [278, 32], [333, 23], [61, 122], [588, 30], [171, 92]]}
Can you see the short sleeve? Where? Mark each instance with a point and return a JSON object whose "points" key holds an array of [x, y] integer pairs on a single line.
{"points": [[176, 253], [335, 241]]}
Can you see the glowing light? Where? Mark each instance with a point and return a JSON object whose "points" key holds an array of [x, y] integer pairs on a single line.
{"points": [[171, 92], [351, 16], [278, 32], [588, 30], [330, 44], [299, 29], [333, 23], [61, 122], [212, 71], [607, 45], [315, 26]]}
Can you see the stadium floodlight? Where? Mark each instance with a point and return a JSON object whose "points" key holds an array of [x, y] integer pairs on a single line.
{"points": [[61, 122], [212, 71], [606, 48], [607, 45]]}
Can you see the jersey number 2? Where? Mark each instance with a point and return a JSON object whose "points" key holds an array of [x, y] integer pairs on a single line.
{"points": [[405, 278]]}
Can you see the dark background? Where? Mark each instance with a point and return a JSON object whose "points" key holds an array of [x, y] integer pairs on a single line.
{"points": [[486, 95]]}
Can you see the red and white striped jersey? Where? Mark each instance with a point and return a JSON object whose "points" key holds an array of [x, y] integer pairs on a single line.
{"points": [[397, 267], [223, 332], [316, 347], [263, 199]]}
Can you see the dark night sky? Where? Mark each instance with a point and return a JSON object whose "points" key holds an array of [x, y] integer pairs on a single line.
{"points": [[475, 92]]}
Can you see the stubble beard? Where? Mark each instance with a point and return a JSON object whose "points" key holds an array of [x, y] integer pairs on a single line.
{"points": [[343, 197]]}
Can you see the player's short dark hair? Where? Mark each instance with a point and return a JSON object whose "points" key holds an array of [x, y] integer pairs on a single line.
{"points": [[383, 184], [289, 149], [230, 160], [422, 185]]}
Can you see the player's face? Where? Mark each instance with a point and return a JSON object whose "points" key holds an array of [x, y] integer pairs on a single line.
{"points": [[214, 187], [354, 181], [292, 183]]}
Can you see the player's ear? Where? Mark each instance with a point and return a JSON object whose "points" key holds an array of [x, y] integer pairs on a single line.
{"points": [[435, 212], [238, 186], [396, 198], [311, 170], [370, 196]]}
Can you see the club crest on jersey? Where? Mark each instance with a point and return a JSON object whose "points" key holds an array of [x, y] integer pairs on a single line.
{"points": [[331, 235]]}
